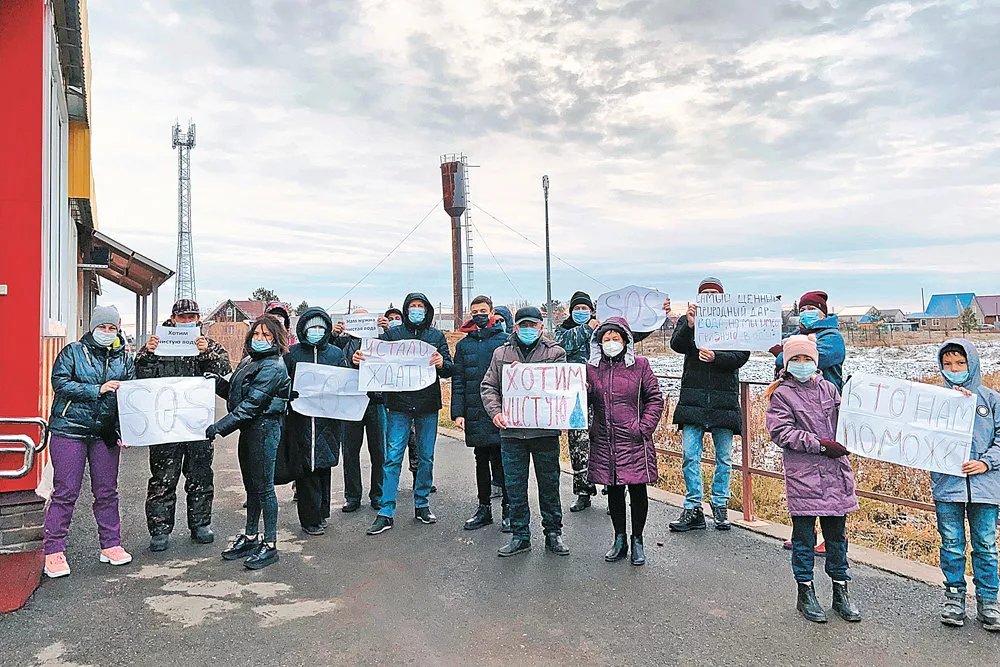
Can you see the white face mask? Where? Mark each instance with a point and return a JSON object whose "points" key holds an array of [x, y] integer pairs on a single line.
{"points": [[104, 338], [612, 348]]}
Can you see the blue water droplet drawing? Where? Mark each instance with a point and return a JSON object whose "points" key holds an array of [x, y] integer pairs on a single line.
{"points": [[577, 419]]}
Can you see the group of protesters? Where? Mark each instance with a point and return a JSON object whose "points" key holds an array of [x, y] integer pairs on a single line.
{"points": [[616, 451]]}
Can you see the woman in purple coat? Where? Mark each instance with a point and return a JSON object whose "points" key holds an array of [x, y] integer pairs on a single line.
{"points": [[627, 404], [819, 483]]}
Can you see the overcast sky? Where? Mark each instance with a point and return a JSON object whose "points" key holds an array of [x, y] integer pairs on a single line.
{"points": [[782, 146]]}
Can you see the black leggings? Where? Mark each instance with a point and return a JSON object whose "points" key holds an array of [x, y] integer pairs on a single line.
{"points": [[640, 507]]}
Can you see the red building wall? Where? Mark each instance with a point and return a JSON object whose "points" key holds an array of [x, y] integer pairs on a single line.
{"points": [[22, 76]]}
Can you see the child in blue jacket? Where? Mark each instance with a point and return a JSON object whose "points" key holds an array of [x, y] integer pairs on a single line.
{"points": [[975, 497]]}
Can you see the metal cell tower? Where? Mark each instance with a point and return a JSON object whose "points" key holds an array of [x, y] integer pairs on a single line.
{"points": [[184, 142]]}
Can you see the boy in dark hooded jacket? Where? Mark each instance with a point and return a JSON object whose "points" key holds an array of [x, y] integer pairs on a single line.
{"points": [[412, 409]]}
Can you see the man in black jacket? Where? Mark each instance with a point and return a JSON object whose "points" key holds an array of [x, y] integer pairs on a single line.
{"points": [[709, 401], [412, 409], [166, 462]]}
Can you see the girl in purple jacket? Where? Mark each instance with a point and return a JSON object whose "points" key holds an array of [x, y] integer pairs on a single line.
{"points": [[802, 420], [627, 404]]}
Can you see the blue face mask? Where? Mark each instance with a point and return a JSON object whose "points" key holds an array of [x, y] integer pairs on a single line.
{"points": [[185, 325], [581, 316], [503, 325], [258, 345], [808, 318], [315, 334], [957, 379], [395, 323], [528, 335], [802, 370], [416, 314]]}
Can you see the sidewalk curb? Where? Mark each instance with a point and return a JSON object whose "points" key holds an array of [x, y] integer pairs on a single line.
{"points": [[873, 558]]}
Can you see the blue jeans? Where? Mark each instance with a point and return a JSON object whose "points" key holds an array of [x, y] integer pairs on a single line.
{"points": [[692, 440], [398, 435], [517, 454], [983, 528], [804, 547], [257, 450]]}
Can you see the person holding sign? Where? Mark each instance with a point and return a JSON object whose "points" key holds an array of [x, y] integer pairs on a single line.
{"points": [[84, 428], [416, 409], [815, 320], [313, 442], [627, 403], [709, 401], [819, 483], [256, 398], [518, 446], [194, 459], [575, 335], [473, 355], [974, 498]]}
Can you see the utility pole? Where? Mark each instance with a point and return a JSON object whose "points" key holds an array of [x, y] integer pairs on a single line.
{"points": [[548, 261]]}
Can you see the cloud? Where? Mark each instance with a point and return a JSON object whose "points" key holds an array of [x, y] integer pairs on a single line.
{"points": [[796, 143]]}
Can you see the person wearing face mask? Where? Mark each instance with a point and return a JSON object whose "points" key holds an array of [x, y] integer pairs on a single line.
{"points": [[313, 442], [412, 410], [815, 320], [473, 355], [394, 317], [194, 459], [819, 482], [373, 424], [626, 403], [256, 399], [518, 446], [575, 335], [84, 431]]}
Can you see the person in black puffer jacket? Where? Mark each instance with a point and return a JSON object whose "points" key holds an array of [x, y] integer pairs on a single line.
{"points": [[256, 396], [84, 425], [314, 442], [709, 401], [473, 354], [412, 409]]}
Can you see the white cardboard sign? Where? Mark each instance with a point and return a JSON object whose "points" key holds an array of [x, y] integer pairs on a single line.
{"points": [[328, 391], [177, 341], [162, 410], [362, 325], [747, 322], [641, 307], [909, 423], [550, 396], [399, 365]]}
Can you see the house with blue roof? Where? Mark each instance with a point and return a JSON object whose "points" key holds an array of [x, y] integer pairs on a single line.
{"points": [[943, 311]]}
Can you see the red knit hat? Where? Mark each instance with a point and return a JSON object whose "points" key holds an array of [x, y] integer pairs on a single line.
{"points": [[817, 299]]}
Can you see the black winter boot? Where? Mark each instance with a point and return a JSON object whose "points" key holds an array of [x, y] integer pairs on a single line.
{"points": [[555, 544], [638, 551], [721, 517], [988, 613], [482, 518], [690, 519], [202, 535], [516, 546], [953, 608], [808, 605], [842, 603], [159, 542], [505, 520], [619, 549], [582, 503]]}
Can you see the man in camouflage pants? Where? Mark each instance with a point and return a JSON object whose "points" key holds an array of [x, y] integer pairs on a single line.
{"points": [[574, 336], [194, 459]]}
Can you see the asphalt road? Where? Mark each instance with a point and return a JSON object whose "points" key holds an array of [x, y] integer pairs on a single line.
{"points": [[438, 595]]}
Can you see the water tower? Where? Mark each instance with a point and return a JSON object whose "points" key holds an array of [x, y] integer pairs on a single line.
{"points": [[454, 183]]}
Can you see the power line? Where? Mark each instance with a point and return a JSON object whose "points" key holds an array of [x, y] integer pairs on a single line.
{"points": [[382, 261], [499, 266], [575, 268]]}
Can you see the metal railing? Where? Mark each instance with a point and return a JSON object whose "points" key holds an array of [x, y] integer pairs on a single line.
{"points": [[747, 470], [21, 443]]}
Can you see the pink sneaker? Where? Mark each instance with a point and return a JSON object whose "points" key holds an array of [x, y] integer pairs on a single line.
{"points": [[116, 556], [56, 566]]}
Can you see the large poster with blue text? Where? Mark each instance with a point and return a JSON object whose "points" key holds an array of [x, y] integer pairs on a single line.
{"points": [[745, 322]]}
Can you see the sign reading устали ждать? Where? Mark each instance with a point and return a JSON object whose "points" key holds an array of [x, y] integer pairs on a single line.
{"points": [[551, 396], [396, 365], [747, 322], [910, 423]]}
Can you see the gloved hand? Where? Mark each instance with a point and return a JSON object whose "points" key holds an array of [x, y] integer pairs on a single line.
{"points": [[292, 395], [211, 432], [833, 449]]}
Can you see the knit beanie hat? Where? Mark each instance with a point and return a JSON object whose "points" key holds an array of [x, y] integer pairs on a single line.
{"points": [[710, 283], [581, 299], [315, 321], [105, 315], [798, 344], [817, 299]]}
